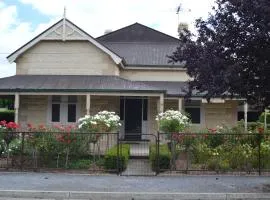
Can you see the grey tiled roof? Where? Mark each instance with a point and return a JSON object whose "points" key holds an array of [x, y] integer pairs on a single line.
{"points": [[141, 45], [144, 53], [77, 83]]}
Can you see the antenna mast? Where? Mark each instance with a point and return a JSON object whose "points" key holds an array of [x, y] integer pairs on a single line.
{"points": [[64, 25]]}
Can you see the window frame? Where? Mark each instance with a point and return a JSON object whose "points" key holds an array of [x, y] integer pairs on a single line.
{"points": [[63, 109]]}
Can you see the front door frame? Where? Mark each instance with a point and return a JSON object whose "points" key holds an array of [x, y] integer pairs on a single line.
{"points": [[142, 112]]}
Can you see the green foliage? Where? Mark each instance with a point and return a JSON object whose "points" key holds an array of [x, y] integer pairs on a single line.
{"points": [[215, 139], [230, 52], [6, 103], [265, 154], [164, 157], [110, 159], [262, 116], [80, 164], [14, 147], [7, 115], [201, 152], [217, 164]]}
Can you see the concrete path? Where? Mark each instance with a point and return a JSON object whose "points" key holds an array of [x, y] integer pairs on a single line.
{"points": [[138, 167]]}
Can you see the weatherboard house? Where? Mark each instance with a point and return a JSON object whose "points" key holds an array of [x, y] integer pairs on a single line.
{"points": [[64, 73]]}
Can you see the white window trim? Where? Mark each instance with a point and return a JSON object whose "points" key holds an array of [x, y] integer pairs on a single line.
{"points": [[63, 110]]}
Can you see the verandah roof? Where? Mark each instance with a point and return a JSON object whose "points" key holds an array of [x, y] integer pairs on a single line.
{"points": [[76, 83]]}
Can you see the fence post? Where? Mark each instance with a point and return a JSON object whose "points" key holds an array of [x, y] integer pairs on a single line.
{"points": [[118, 160], [259, 151], [157, 146], [22, 150]]}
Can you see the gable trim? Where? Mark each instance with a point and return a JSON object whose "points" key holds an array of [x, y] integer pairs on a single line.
{"points": [[13, 56]]}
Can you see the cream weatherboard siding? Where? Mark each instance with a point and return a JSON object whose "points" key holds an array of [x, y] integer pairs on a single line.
{"points": [[33, 109], [154, 75], [65, 58], [100, 103], [220, 113]]}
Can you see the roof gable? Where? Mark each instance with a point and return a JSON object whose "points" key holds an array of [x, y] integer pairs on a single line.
{"points": [[137, 33], [63, 30]]}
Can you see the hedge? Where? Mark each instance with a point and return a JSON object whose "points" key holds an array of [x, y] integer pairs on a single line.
{"points": [[110, 158], [164, 157], [7, 115]]}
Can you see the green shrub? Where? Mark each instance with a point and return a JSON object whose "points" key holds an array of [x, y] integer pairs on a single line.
{"points": [[164, 157], [110, 159], [7, 115], [261, 118], [218, 164], [200, 152], [80, 164]]}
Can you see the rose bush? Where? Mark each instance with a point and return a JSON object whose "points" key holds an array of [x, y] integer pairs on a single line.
{"points": [[172, 121], [103, 121]]}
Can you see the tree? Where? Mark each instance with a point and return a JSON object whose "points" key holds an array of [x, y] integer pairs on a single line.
{"points": [[230, 56]]}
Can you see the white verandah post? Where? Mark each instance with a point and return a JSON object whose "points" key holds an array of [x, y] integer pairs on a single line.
{"points": [[88, 104], [16, 107], [180, 104], [161, 103], [245, 114]]}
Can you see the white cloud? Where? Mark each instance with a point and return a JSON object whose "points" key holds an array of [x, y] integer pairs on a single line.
{"points": [[95, 16]]}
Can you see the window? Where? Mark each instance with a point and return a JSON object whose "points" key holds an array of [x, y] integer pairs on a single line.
{"points": [[193, 109], [55, 112], [56, 100], [64, 109], [252, 115], [71, 114]]}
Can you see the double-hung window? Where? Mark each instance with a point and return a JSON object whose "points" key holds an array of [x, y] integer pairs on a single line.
{"points": [[193, 109], [64, 109]]}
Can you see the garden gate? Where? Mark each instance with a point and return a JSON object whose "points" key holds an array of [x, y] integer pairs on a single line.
{"points": [[139, 157]]}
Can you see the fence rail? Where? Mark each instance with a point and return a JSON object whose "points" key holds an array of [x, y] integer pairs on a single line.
{"points": [[56, 150], [216, 152], [165, 152]]}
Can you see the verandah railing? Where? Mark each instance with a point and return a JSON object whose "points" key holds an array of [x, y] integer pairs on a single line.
{"points": [[215, 152], [56, 150]]}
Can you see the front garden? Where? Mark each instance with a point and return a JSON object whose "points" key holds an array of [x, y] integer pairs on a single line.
{"points": [[221, 149], [89, 145], [93, 145]]}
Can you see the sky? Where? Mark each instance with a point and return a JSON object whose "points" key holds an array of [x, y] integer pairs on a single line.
{"points": [[21, 20]]}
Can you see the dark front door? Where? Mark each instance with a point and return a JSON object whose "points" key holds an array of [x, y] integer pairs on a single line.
{"points": [[133, 119]]}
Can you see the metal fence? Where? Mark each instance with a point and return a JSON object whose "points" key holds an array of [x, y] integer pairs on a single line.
{"points": [[57, 150], [206, 153], [161, 153]]}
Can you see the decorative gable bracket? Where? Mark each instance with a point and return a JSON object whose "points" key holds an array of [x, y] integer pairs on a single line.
{"points": [[64, 30]]}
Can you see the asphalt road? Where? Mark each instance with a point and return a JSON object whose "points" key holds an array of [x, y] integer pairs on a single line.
{"points": [[112, 183]]}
